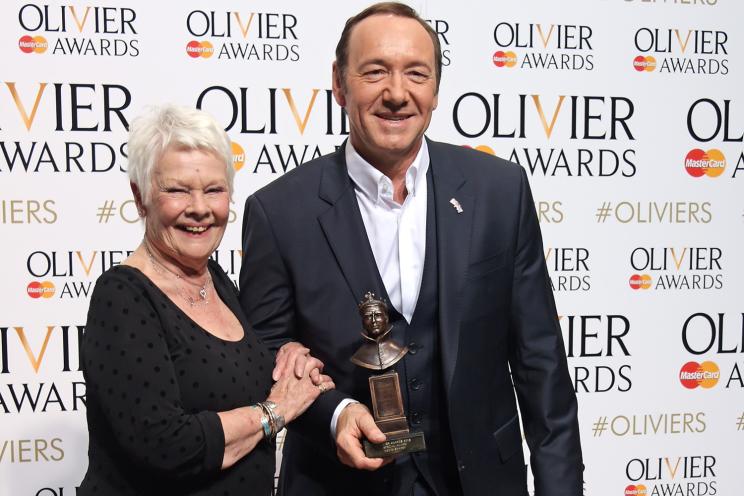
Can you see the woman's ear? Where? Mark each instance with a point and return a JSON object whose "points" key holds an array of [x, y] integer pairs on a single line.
{"points": [[141, 210]]}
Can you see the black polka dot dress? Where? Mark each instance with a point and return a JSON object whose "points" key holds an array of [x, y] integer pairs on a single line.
{"points": [[155, 382]]}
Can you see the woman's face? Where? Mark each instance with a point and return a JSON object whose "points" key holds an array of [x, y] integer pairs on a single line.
{"points": [[189, 206]]}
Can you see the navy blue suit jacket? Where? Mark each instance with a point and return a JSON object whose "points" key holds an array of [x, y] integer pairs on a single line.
{"points": [[307, 263]]}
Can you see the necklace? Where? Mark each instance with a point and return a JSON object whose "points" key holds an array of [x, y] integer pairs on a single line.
{"points": [[161, 269]]}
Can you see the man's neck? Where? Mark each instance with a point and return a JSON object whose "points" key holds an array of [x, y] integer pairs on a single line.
{"points": [[394, 167]]}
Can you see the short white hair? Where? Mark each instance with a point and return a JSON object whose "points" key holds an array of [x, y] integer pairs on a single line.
{"points": [[167, 126]]}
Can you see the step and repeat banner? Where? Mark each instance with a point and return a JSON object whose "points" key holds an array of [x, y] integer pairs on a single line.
{"points": [[628, 116]]}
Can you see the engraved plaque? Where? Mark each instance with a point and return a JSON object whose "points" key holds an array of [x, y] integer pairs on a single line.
{"points": [[386, 398]]}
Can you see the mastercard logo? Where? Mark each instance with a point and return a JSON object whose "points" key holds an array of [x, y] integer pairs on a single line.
{"points": [[238, 156], [640, 281], [647, 63], [38, 289], [196, 49], [636, 490], [701, 163], [33, 44], [504, 59], [704, 375]]}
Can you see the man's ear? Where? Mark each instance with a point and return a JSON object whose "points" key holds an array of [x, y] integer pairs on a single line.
{"points": [[141, 210], [338, 86]]}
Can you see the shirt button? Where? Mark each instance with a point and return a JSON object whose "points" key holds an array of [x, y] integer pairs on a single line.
{"points": [[415, 384], [413, 348], [416, 418], [460, 466]]}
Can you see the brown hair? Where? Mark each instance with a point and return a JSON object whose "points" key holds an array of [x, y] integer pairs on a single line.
{"points": [[392, 8]]}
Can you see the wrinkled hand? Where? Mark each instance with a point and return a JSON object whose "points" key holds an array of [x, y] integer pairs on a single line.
{"points": [[354, 424], [294, 358], [294, 395]]}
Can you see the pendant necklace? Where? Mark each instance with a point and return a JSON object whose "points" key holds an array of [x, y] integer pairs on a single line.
{"points": [[161, 269]]}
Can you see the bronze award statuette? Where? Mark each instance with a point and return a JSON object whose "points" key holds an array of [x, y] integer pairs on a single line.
{"points": [[380, 352]]}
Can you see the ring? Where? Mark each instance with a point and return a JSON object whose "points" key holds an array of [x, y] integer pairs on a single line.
{"points": [[322, 388]]}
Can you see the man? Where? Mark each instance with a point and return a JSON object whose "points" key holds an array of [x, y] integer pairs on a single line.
{"points": [[449, 237]]}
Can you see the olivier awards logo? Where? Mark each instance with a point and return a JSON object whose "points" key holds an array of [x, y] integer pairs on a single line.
{"points": [[681, 51], [672, 268], [552, 47], [689, 475], [247, 36], [292, 113], [554, 136], [90, 30], [37, 110], [74, 272]]}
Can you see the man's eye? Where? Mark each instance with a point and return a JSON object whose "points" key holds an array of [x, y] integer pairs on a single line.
{"points": [[375, 74], [418, 76]]}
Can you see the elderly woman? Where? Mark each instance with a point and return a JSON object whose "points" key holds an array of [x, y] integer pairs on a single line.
{"points": [[180, 397]]}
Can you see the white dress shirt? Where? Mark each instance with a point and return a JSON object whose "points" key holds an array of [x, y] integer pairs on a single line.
{"points": [[396, 232]]}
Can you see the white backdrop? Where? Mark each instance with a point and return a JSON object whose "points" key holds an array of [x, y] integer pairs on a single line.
{"points": [[637, 177]]}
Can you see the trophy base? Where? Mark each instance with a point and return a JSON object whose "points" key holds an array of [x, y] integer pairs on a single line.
{"points": [[409, 442]]}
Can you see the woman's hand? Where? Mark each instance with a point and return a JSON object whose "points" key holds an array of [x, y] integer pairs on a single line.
{"points": [[294, 395], [293, 357]]}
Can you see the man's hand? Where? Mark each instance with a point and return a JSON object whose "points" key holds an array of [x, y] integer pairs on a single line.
{"points": [[354, 424], [293, 358]]}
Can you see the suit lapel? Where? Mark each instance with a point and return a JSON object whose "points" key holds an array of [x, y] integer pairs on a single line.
{"points": [[344, 230], [453, 245]]}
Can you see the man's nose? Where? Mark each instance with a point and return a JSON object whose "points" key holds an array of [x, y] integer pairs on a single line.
{"points": [[396, 93]]}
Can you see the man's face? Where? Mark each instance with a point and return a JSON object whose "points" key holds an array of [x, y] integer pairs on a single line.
{"points": [[390, 88], [375, 321]]}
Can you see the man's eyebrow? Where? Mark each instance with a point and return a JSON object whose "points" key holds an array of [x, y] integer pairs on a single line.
{"points": [[377, 61], [383, 62]]}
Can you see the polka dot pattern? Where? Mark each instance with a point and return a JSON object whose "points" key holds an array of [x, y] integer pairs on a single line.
{"points": [[155, 380]]}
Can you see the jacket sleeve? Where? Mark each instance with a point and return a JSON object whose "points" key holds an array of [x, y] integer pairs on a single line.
{"points": [[267, 298], [266, 292], [538, 362]]}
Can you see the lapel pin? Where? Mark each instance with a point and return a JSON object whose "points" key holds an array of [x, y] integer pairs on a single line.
{"points": [[456, 205]]}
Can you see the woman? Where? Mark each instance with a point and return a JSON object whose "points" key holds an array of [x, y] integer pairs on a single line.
{"points": [[180, 397]]}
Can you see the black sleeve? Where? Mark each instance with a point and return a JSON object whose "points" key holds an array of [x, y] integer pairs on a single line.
{"points": [[131, 380]]}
